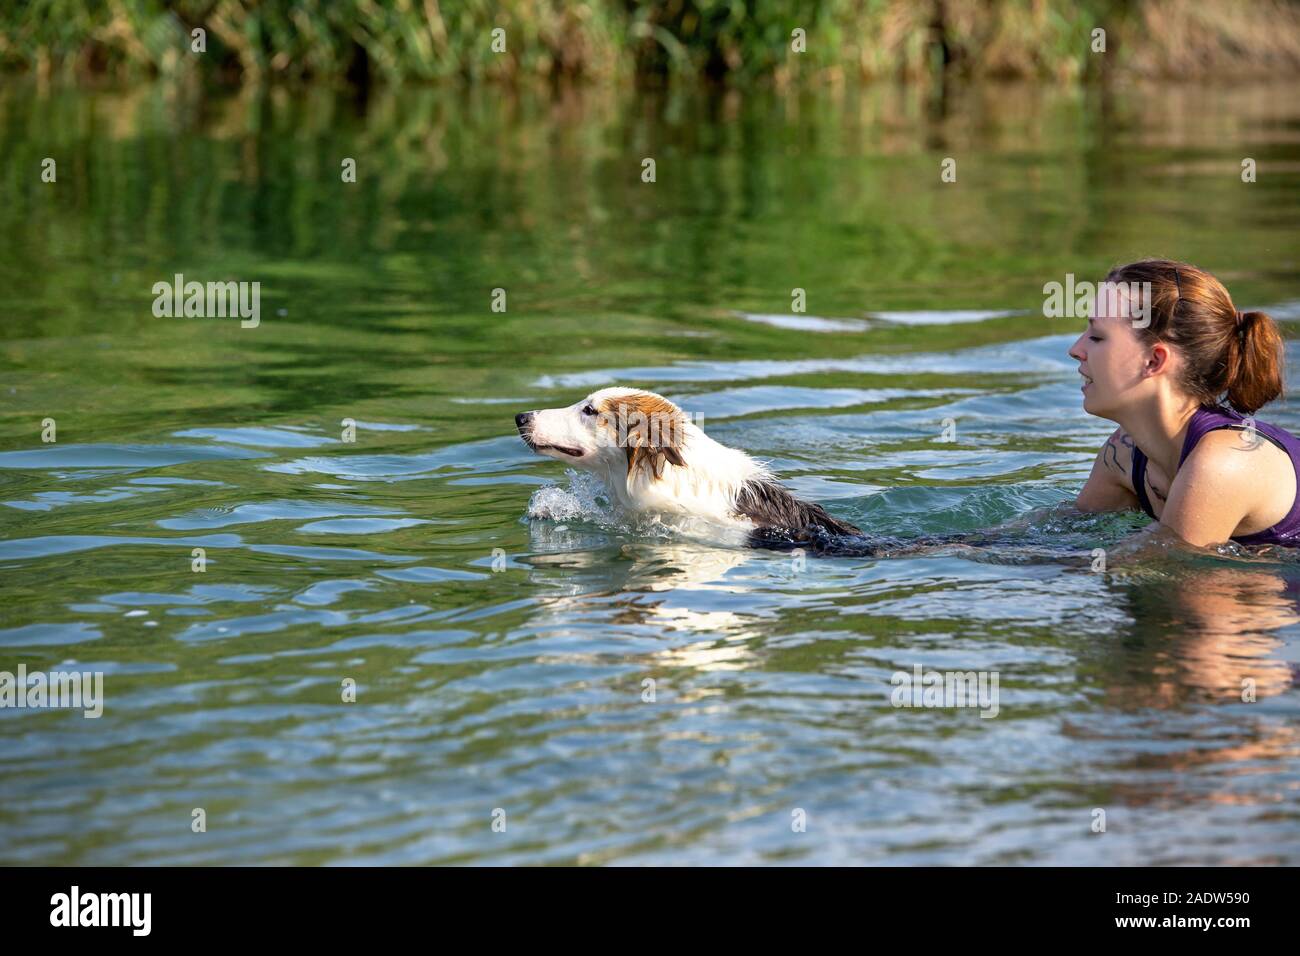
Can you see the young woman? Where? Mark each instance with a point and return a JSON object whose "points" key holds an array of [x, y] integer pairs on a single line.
{"points": [[1180, 380]]}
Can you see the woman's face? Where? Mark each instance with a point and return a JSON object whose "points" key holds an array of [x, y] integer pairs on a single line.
{"points": [[1111, 360]]}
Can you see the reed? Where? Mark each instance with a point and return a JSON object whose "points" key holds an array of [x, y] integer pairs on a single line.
{"points": [[741, 40]]}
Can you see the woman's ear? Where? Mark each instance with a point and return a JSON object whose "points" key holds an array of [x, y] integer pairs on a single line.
{"points": [[1158, 361]]}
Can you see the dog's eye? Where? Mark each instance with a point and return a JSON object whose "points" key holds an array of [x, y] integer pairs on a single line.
{"points": [[588, 409]]}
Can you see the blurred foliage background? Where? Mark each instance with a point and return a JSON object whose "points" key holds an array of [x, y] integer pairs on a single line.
{"points": [[399, 40]]}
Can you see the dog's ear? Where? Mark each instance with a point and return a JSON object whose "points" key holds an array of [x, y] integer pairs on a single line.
{"points": [[650, 431], [652, 458]]}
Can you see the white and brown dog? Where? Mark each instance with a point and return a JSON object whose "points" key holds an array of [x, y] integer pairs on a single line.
{"points": [[652, 458]]}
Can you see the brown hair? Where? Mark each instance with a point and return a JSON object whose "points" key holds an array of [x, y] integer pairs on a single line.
{"points": [[649, 427], [1226, 353]]}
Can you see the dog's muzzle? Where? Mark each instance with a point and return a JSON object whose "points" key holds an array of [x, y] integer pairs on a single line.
{"points": [[524, 422]]}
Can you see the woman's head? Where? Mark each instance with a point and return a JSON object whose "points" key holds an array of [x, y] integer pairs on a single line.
{"points": [[1182, 333]]}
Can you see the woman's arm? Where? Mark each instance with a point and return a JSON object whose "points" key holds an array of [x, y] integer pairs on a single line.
{"points": [[1110, 486]]}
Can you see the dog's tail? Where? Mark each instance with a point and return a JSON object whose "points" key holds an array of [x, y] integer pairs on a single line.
{"points": [[772, 507]]}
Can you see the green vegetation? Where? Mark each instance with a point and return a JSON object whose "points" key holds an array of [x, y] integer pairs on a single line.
{"points": [[423, 40]]}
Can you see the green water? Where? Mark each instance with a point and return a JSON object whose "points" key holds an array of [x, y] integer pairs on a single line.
{"points": [[501, 660]]}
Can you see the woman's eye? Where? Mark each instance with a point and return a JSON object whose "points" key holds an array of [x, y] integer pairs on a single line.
{"points": [[588, 410], [1093, 338]]}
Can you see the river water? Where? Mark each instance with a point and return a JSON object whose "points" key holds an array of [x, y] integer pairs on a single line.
{"points": [[537, 680]]}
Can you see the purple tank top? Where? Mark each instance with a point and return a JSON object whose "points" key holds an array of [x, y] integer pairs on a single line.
{"points": [[1287, 531]]}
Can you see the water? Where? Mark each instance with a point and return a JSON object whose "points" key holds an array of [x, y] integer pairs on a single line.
{"points": [[513, 679]]}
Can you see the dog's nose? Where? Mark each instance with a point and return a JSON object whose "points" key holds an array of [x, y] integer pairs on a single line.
{"points": [[523, 418]]}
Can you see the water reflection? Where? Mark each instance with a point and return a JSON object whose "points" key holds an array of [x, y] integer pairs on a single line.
{"points": [[1202, 633], [638, 583]]}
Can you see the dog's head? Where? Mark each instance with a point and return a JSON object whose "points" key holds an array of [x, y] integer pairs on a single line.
{"points": [[610, 428]]}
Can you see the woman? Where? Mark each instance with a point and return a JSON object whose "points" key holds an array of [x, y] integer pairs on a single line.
{"points": [[1178, 373]]}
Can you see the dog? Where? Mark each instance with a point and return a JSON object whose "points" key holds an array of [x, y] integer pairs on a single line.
{"points": [[652, 458]]}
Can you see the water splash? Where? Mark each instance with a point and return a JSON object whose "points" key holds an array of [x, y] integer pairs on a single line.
{"points": [[585, 502], [584, 498]]}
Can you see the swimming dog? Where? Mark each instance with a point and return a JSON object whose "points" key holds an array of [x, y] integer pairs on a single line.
{"points": [[652, 458]]}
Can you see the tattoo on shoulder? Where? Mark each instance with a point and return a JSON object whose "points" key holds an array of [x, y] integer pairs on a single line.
{"points": [[1110, 453]]}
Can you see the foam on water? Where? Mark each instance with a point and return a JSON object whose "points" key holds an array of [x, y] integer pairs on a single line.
{"points": [[584, 498]]}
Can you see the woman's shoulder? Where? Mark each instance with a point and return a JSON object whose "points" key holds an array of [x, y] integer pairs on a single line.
{"points": [[1110, 485], [1243, 465], [1237, 473], [1239, 451], [1220, 420], [1117, 453]]}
